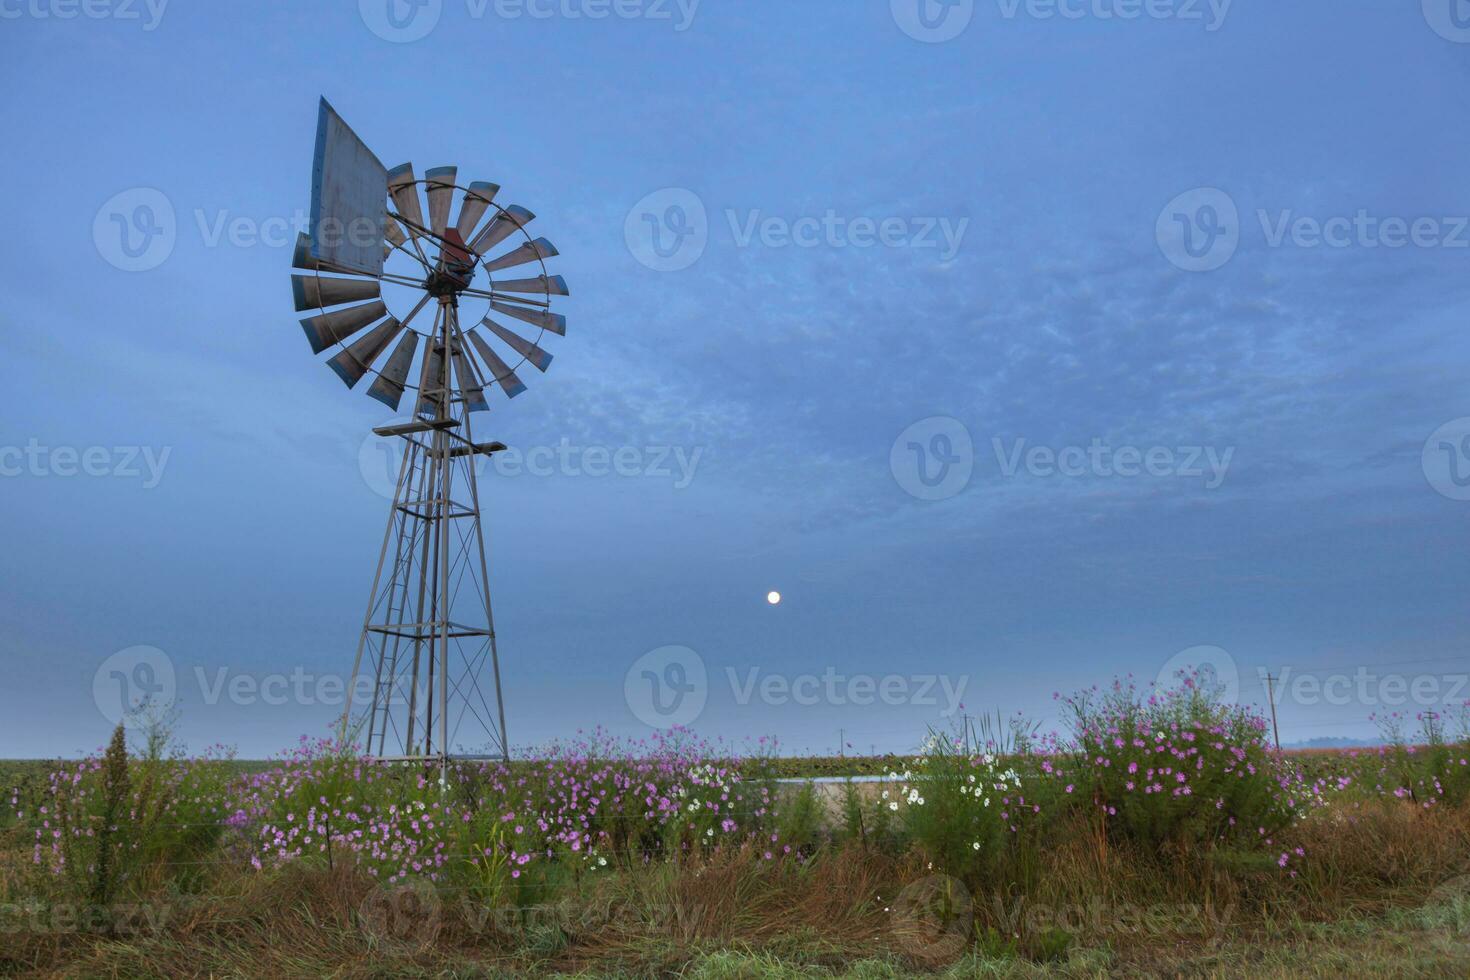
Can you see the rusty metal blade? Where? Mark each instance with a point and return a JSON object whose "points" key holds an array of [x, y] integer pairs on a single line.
{"points": [[388, 388], [554, 322], [431, 381], [521, 345], [440, 182], [550, 285], [469, 383], [477, 198], [353, 362], [326, 329], [312, 292], [500, 371], [393, 231], [405, 194], [529, 252], [301, 258], [505, 223]]}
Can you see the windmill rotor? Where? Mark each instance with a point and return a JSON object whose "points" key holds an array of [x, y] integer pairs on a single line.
{"points": [[486, 258]]}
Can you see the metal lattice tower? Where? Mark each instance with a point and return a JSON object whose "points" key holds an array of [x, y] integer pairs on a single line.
{"points": [[428, 650]]}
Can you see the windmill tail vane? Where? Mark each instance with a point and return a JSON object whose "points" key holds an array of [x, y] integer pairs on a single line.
{"points": [[387, 286]]}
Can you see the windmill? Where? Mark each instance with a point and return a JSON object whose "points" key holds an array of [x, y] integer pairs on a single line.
{"points": [[391, 285]]}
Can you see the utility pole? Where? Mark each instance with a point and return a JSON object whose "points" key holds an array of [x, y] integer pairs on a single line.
{"points": [[841, 743], [967, 734], [1271, 696]]}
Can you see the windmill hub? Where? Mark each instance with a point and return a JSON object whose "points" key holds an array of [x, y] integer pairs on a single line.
{"points": [[450, 279]]}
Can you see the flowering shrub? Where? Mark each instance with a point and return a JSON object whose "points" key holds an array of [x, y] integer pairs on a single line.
{"points": [[587, 804], [1435, 770], [1181, 768], [966, 812]]}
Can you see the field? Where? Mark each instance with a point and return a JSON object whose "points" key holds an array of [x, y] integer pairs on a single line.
{"points": [[1156, 836]]}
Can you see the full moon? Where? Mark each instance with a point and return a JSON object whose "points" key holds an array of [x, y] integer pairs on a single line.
{"points": [[773, 597]]}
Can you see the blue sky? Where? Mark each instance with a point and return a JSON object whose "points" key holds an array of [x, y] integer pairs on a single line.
{"points": [[1086, 169]]}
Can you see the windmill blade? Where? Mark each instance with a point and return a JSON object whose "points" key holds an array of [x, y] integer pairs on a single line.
{"points": [[500, 371], [326, 329], [521, 345], [432, 381], [353, 362], [529, 252], [477, 198], [554, 322], [313, 293], [505, 223], [388, 388], [405, 194], [469, 384], [393, 231], [550, 285], [301, 258], [440, 182]]}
